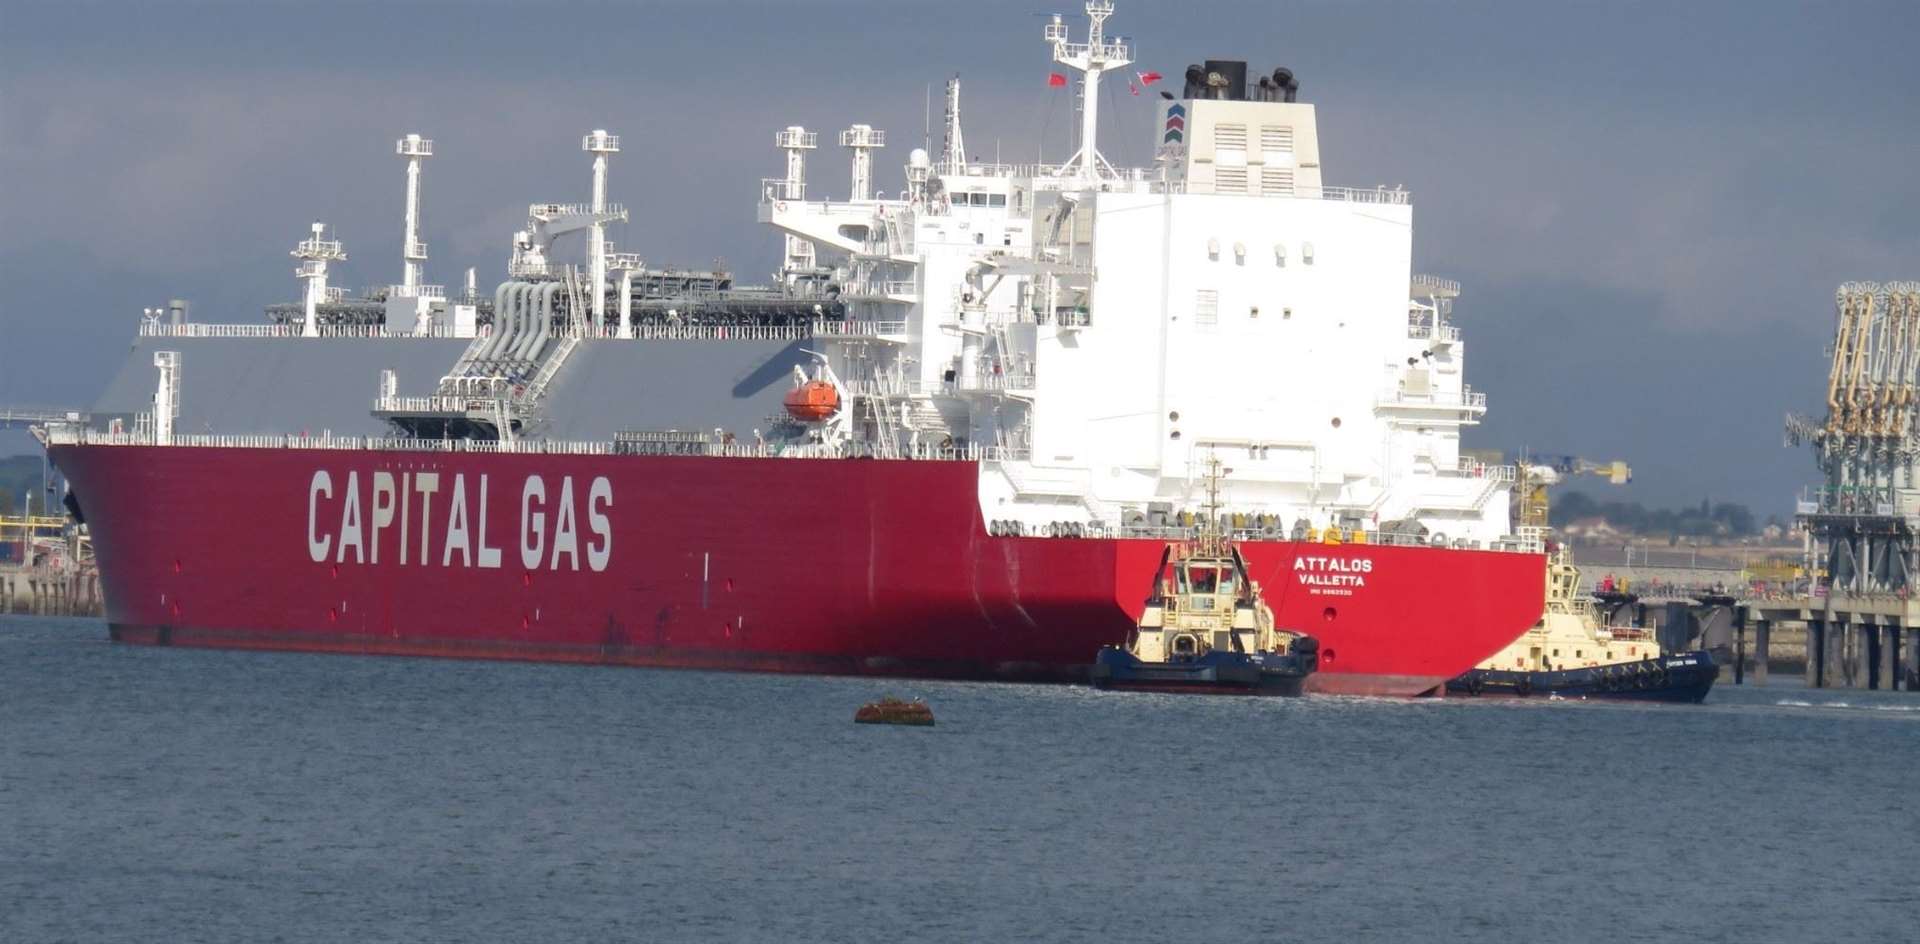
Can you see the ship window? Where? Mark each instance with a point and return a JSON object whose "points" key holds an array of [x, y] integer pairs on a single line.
{"points": [[978, 199], [1206, 308], [1204, 579], [997, 199], [1578, 654], [1556, 653]]}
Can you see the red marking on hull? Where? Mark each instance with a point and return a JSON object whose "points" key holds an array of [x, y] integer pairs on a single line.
{"points": [[781, 565]]}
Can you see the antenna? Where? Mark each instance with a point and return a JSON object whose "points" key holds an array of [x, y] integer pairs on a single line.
{"points": [[600, 144], [953, 146], [314, 253], [1092, 57], [413, 252]]}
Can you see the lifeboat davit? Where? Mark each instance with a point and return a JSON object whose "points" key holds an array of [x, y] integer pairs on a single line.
{"points": [[813, 401]]}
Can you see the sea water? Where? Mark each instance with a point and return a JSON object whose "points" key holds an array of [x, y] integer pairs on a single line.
{"points": [[152, 794]]}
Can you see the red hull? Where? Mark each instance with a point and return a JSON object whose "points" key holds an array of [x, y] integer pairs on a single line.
{"points": [[784, 565]]}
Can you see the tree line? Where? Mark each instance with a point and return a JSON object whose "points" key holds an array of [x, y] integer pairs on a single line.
{"points": [[1707, 519]]}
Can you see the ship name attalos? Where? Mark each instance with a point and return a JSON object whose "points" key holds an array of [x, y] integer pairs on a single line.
{"points": [[1336, 575]]}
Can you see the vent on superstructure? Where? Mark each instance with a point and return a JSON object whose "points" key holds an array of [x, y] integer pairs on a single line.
{"points": [[1276, 140], [1230, 179], [1276, 181], [1230, 136]]}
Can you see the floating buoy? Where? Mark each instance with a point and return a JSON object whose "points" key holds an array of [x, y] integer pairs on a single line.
{"points": [[891, 710]]}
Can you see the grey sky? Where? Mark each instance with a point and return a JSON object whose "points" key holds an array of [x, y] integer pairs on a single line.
{"points": [[1649, 204]]}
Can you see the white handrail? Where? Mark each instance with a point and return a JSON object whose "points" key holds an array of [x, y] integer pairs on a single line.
{"points": [[200, 329]]}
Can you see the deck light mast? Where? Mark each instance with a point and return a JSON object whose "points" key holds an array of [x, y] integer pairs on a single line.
{"points": [[1092, 57]]}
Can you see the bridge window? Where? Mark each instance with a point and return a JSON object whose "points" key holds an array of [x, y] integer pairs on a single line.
{"points": [[978, 199], [1204, 579]]}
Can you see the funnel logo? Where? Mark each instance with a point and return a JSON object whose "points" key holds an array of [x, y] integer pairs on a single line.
{"points": [[1176, 127]]}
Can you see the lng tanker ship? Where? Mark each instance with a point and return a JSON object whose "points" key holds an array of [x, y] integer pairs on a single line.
{"points": [[951, 440]]}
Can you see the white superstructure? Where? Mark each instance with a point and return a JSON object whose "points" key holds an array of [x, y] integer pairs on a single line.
{"points": [[1093, 334], [1099, 332]]}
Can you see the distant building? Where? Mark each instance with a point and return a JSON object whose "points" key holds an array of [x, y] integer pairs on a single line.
{"points": [[1592, 530]]}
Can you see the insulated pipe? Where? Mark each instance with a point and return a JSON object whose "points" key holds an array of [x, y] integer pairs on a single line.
{"points": [[502, 320], [538, 332], [528, 313], [523, 322], [500, 317], [531, 313], [516, 322]]}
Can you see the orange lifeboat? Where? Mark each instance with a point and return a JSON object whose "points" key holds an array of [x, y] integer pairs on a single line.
{"points": [[813, 401]]}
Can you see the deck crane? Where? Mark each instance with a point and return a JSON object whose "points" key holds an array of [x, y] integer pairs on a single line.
{"points": [[1539, 473]]}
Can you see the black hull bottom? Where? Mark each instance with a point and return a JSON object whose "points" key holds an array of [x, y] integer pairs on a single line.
{"points": [[1284, 687], [1686, 677], [1216, 673]]}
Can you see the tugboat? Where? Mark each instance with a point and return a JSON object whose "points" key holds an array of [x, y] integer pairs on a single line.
{"points": [[1569, 653], [1205, 628]]}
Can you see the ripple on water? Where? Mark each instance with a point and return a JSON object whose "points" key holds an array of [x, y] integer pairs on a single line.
{"points": [[173, 794]]}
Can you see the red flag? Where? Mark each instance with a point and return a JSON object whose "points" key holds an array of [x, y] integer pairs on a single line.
{"points": [[1056, 80], [1148, 78]]}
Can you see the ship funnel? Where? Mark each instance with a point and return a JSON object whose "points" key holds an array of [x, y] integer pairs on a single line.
{"points": [[1227, 79], [1286, 84]]}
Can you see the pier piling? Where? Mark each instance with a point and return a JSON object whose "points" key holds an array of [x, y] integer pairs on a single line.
{"points": [[1762, 652], [1888, 646], [1816, 652], [1740, 646], [1864, 636]]}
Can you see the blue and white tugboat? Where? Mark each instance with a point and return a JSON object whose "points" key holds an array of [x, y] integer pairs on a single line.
{"points": [[1206, 629], [1571, 654]]}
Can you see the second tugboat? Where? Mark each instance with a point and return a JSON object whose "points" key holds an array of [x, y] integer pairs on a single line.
{"points": [[1205, 628], [1570, 653]]}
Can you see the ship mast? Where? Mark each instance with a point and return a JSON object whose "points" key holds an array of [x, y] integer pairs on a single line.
{"points": [[1212, 542], [953, 144], [599, 144], [314, 253], [1092, 57], [413, 252]]}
